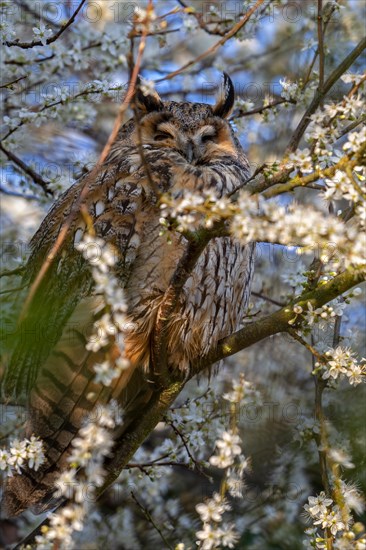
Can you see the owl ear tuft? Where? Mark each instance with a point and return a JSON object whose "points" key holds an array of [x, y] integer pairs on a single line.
{"points": [[225, 103], [147, 101]]}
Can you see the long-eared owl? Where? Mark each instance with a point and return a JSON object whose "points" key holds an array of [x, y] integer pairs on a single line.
{"points": [[186, 146]]}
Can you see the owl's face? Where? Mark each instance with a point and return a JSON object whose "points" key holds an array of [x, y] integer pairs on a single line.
{"points": [[197, 131], [204, 141]]}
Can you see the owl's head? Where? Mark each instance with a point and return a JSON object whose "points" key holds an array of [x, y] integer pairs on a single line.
{"points": [[198, 131]]}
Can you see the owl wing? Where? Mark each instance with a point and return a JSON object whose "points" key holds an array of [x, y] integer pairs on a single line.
{"points": [[113, 201]]}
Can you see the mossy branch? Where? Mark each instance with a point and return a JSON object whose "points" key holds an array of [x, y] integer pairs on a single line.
{"points": [[278, 321]]}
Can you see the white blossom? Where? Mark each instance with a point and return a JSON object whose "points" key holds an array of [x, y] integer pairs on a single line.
{"points": [[228, 447], [28, 452], [213, 509], [42, 33], [318, 505], [243, 392], [355, 140], [341, 363], [340, 186], [35, 452], [290, 90], [301, 160], [331, 519], [209, 537]]}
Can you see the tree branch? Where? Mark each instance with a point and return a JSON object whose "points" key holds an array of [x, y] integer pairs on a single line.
{"points": [[298, 181], [126, 446], [259, 110], [277, 322], [151, 520], [321, 46], [9, 84], [320, 94], [27, 170], [235, 29], [51, 39]]}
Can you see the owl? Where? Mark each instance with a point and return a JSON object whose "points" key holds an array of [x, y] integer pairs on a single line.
{"points": [[186, 147]]}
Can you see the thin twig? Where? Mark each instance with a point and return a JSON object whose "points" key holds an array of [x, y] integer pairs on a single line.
{"points": [[18, 195], [55, 103], [328, 84], [188, 451], [27, 170], [320, 47], [306, 345], [36, 14], [8, 84], [267, 299], [153, 464], [150, 519], [51, 39], [11, 272], [352, 126], [11, 290], [235, 29], [315, 57], [262, 109]]}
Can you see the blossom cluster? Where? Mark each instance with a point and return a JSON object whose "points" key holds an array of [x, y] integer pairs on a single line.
{"points": [[341, 363], [301, 160], [243, 392], [323, 513], [110, 324], [336, 524], [26, 453], [328, 124], [324, 313], [228, 448], [79, 481], [255, 219], [228, 457], [214, 534], [342, 186], [290, 90]]}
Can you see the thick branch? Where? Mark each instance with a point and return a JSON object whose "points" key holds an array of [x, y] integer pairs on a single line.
{"points": [[344, 163], [256, 331], [138, 431], [277, 322]]}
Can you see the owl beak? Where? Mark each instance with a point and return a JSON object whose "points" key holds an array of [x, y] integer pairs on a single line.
{"points": [[189, 153]]}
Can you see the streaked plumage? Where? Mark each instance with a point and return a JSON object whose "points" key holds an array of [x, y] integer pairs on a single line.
{"points": [[186, 146]]}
